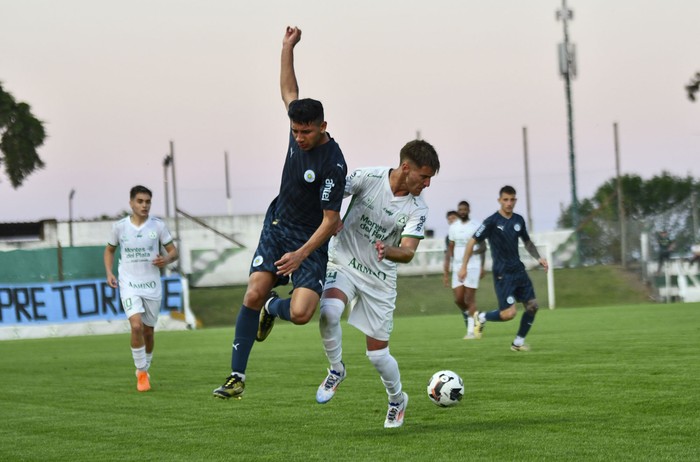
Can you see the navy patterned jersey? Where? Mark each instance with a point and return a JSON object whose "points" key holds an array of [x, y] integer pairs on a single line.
{"points": [[312, 181], [503, 234]]}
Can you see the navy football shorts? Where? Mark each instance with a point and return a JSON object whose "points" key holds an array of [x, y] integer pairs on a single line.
{"points": [[512, 288], [276, 240]]}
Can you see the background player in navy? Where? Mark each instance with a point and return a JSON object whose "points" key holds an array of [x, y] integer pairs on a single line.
{"points": [[300, 220], [511, 281]]}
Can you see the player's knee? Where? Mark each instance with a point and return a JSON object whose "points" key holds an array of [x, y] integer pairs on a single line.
{"points": [[331, 311], [508, 314], [254, 298], [377, 356], [137, 328], [532, 307], [302, 314]]}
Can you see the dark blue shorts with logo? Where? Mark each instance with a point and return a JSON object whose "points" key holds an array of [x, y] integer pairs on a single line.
{"points": [[278, 238], [512, 288]]}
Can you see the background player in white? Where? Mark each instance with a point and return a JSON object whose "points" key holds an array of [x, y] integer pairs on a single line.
{"points": [[139, 237], [383, 226], [459, 233]]}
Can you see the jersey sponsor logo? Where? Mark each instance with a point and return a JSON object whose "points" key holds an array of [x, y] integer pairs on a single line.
{"points": [[326, 194], [309, 176], [388, 212], [143, 285], [257, 261], [136, 252], [516, 227], [381, 275], [373, 229]]}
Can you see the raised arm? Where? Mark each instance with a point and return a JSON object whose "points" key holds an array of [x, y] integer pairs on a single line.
{"points": [[288, 79]]}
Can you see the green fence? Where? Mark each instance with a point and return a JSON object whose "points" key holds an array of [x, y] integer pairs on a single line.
{"points": [[54, 264]]}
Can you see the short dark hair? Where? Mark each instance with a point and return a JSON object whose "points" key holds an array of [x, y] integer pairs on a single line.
{"points": [[421, 153], [139, 189], [451, 213], [306, 111], [507, 190], [463, 203]]}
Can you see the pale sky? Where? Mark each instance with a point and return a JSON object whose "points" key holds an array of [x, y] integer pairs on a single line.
{"points": [[115, 81]]}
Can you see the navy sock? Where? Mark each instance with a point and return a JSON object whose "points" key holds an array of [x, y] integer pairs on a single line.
{"points": [[281, 307], [494, 315], [525, 323], [246, 330], [465, 315]]}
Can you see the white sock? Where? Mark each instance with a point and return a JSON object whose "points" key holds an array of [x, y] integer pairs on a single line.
{"points": [[149, 359], [331, 332], [139, 355], [482, 317], [519, 341], [470, 325], [388, 370]]}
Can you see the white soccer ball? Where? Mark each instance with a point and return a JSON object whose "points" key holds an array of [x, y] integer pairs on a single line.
{"points": [[445, 388]]}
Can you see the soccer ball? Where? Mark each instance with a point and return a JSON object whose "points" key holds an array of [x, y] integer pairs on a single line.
{"points": [[445, 388]]}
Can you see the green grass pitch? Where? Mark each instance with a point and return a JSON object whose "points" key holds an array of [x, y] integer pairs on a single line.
{"points": [[601, 383]]}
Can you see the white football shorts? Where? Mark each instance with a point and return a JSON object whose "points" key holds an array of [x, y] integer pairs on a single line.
{"points": [[373, 309], [471, 281], [148, 307]]}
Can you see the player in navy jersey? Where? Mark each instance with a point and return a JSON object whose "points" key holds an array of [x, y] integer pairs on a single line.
{"points": [[512, 284], [293, 243]]}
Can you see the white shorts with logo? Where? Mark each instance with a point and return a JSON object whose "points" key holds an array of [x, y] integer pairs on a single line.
{"points": [[471, 281], [148, 307], [374, 304]]}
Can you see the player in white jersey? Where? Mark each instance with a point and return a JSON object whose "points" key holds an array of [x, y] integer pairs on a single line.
{"points": [[464, 292], [139, 237], [383, 226]]}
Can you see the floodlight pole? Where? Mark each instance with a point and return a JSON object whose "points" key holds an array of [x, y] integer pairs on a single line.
{"points": [[70, 216], [527, 181], [175, 208], [620, 202], [567, 68], [166, 164], [228, 188]]}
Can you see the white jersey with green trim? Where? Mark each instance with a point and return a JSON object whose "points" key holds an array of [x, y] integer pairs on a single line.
{"points": [[138, 247], [375, 214]]}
